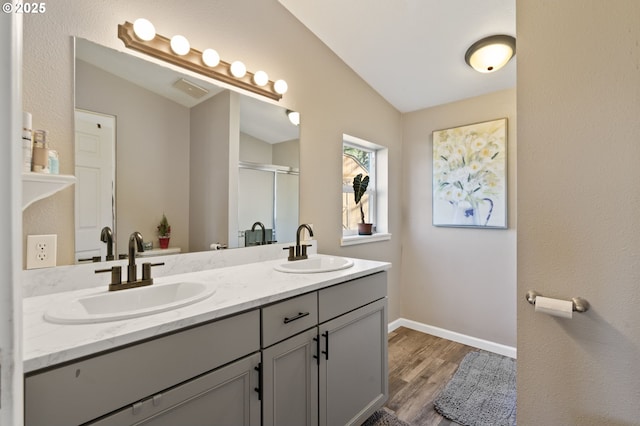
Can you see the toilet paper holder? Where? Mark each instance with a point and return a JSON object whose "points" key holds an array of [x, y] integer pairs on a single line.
{"points": [[579, 304]]}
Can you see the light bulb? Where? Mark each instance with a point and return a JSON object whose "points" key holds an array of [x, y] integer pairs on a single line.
{"points": [[210, 58], [280, 87], [260, 78], [143, 29], [180, 45], [238, 69]]}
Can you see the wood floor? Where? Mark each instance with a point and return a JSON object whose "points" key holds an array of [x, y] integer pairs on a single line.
{"points": [[420, 365]]}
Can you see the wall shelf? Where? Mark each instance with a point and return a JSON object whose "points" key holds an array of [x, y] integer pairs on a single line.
{"points": [[36, 186]]}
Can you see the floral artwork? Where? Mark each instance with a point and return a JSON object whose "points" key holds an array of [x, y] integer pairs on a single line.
{"points": [[469, 175]]}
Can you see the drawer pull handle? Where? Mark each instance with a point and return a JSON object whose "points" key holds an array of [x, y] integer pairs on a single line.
{"points": [[287, 320]]}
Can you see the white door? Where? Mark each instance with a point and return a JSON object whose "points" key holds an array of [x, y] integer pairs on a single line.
{"points": [[95, 186]]}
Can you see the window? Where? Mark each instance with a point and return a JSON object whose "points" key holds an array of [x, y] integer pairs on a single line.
{"points": [[363, 157]]}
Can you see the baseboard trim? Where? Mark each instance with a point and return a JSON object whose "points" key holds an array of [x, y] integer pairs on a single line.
{"points": [[486, 345]]}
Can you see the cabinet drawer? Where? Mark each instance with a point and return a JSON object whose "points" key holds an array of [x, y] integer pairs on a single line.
{"points": [[225, 396], [341, 298], [86, 389], [284, 319]]}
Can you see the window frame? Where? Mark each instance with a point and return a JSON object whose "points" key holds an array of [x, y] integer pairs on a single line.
{"points": [[377, 191]]}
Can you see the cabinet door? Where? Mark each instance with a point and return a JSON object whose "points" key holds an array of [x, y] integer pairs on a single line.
{"points": [[353, 367], [290, 381], [223, 397]]}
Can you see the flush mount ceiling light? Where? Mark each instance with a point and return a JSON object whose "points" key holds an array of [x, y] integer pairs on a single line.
{"points": [[141, 36], [294, 117], [491, 53]]}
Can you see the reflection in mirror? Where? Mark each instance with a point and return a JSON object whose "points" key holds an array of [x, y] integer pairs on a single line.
{"points": [[151, 141]]}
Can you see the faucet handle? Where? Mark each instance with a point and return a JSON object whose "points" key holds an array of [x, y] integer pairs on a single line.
{"points": [[146, 270], [304, 250], [116, 275], [292, 255]]}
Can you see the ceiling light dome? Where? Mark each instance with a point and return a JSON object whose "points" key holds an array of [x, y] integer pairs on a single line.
{"points": [[294, 117], [491, 53]]}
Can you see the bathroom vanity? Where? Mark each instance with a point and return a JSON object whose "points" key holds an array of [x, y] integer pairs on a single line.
{"points": [[267, 347]]}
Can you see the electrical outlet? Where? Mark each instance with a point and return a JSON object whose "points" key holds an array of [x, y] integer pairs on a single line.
{"points": [[41, 251]]}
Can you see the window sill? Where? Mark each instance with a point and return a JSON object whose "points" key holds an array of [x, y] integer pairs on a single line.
{"points": [[351, 240]]}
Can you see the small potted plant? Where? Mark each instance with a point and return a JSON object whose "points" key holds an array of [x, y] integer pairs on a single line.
{"points": [[359, 188], [164, 232]]}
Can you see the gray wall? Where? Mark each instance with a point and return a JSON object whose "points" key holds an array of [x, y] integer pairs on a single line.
{"points": [[211, 131], [578, 202], [152, 150], [462, 280]]}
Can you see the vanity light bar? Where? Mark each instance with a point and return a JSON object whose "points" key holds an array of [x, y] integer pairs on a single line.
{"points": [[160, 47]]}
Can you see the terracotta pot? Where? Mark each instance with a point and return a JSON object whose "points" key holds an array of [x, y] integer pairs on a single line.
{"points": [[364, 228], [164, 242]]}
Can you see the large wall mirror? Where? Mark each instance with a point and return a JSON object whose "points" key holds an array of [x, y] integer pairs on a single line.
{"points": [[153, 140]]}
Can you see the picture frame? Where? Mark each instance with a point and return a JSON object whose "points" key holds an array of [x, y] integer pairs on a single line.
{"points": [[470, 175]]}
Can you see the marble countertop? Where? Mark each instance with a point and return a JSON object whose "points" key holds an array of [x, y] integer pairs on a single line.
{"points": [[238, 288]]}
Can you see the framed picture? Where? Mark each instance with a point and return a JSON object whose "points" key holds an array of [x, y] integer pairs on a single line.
{"points": [[469, 175]]}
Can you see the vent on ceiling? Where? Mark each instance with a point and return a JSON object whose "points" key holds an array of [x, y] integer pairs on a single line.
{"points": [[190, 88]]}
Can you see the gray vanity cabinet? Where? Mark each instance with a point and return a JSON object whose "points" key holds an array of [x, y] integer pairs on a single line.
{"points": [[335, 372], [319, 358], [180, 374]]}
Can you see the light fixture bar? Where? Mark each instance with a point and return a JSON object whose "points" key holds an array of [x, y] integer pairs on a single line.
{"points": [[160, 47]]}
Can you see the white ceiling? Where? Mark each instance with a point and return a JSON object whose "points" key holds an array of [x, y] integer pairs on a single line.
{"points": [[412, 51]]}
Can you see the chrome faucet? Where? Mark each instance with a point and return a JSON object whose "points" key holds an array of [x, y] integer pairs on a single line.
{"points": [[106, 236], [264, 236], [299, 251], [134, 240]]}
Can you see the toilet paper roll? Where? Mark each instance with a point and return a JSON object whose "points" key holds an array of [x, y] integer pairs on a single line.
{"points": [[555, 307]]}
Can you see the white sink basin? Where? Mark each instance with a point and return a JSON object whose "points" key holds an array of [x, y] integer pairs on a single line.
{"points": [[315, 264], [122, 304]]}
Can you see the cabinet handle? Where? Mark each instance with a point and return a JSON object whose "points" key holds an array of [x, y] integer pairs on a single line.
{"points": [[326, 351], [287, 320], [258, 368], [317, 340]]}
